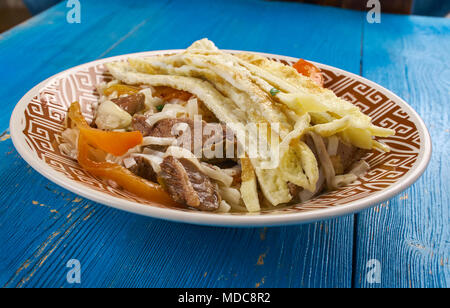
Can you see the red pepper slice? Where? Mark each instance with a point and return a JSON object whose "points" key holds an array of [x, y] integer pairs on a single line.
{"points": [[309, 70]]}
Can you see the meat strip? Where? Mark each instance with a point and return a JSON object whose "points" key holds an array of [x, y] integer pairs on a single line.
{"points": [[144, 169], [173, 128], [294, 190], [139, 124], [186, 184], [323, 158], [345, 157], [338, 164], [132, 103]]}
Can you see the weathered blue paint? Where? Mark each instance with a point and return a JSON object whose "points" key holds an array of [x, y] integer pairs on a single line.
{"points": [[43, 226]]}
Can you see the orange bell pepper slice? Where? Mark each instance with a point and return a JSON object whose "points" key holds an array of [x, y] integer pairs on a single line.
{"points": [[309, 70], [168, 93], [116, 143], [121, 89], [123, 177]]}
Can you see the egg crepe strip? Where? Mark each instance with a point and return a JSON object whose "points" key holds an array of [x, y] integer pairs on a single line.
{"points": [[258, 106], [247, 88], [249, 186], [221, 106], [273, 186], [302, 94]]}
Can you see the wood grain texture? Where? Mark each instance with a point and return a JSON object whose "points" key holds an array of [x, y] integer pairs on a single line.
{"points": [[43, 226], [47, 44], [409, 235]]}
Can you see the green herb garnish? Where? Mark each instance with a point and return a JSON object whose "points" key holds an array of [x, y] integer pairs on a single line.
{"points": [[274, 91], [160, 108]]}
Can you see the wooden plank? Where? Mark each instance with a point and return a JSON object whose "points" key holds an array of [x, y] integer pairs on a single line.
{"points": [[48, 226], [409, 235], [47, 44], [119, 249], [291, 29]]}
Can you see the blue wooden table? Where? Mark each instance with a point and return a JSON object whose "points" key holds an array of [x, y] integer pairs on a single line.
{"points": [[43, 226]]}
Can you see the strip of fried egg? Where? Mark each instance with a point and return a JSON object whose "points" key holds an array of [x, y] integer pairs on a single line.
{"points": [[240, 98], [216, 66], [304, 95], [249, 186], [234, 81], [272, 184], [222, 107], [304, 174], [241, 79], [297, 155], [301, 94]]}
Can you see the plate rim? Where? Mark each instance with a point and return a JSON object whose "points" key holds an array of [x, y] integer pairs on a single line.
{"points": [[215, 219]]}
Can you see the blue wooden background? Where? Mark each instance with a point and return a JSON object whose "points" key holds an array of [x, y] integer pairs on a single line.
{"points": [[420, 7], [42, 226]]}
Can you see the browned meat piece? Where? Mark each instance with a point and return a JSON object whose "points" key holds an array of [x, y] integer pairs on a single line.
{"points": [[162, 128], [132, 103], [173, 128], [346, 156], [323, 158], [294, 190], [310, 143], [144, 169], [139, 124], [221, 138], [186, 184], [165, 128]]}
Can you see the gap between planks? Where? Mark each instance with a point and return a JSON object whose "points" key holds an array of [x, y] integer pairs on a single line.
{"points": [[356, 216]]}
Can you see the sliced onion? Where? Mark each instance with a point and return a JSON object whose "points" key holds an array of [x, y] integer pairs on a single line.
{"points": [[231, 195], [170, 111], [150, 140], [179, 152], [333, 145], [192, 107], [360, 168], [234, 171], [68, 150], [129, 162], [325, 160], [344, 180], [149, 99], [224, 207], [119, 159], [217, 174], [153, 152], [155, 161], [306, 195], [213, 172]]}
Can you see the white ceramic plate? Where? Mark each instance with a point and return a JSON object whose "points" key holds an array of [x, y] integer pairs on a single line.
{"points": [[37, 122]]}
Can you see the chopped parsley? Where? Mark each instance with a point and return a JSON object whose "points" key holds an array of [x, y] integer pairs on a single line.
{"points": [[274, 91], [160, 108]]}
